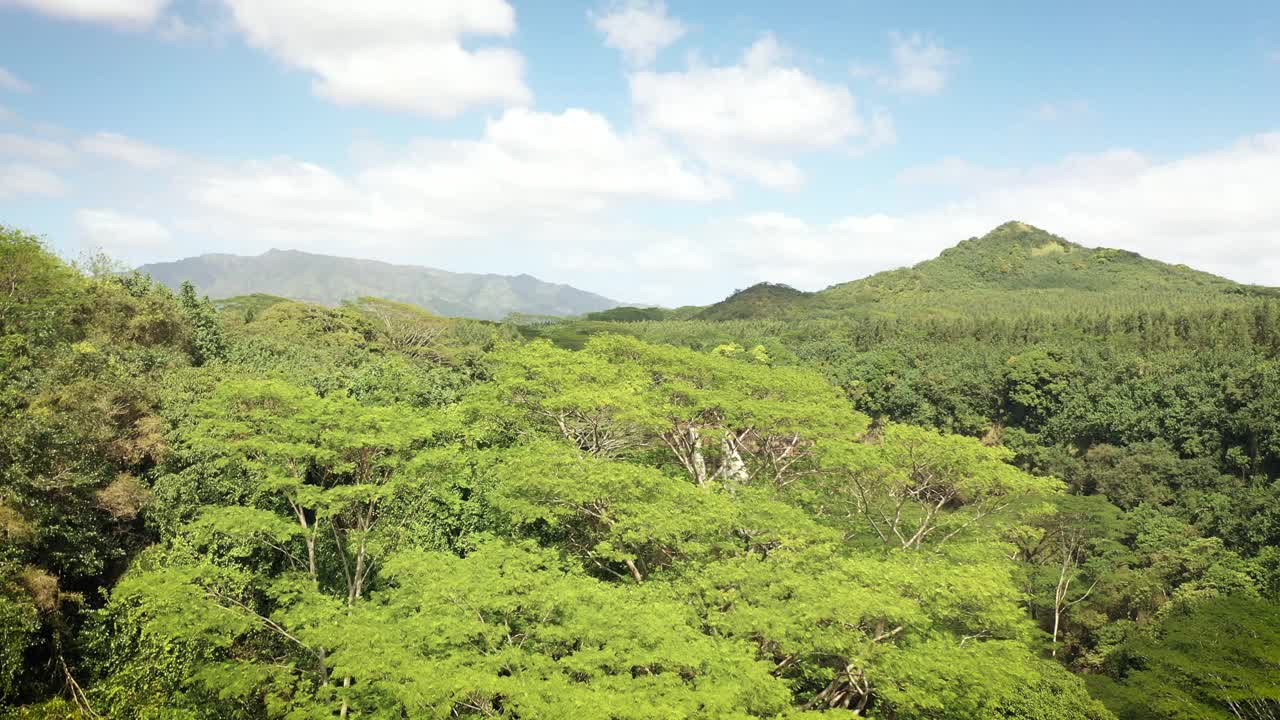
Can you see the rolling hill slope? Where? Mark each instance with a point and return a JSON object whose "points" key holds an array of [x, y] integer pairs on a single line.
{"points": [[1015, 268]]}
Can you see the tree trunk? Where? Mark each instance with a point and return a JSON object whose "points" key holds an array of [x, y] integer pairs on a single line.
{"points": [[1060, 597], [697, 460], [635, 571], [735, 470]]}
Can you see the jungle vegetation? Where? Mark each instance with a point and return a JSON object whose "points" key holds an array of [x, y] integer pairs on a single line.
{"points": [[1026, 480]]}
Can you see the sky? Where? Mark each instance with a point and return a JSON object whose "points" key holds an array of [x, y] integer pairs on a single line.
{"points": [[653, 152]]}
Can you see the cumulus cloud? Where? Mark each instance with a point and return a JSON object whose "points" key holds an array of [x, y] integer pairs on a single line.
{"points": [[403, 56], [1213, 210], [650, 252], [177, 30], [118, 12], [749, 118], [21, 179], [389, 54], [34, 149], [640, 29], [920, 65], [136, 153], [759, 101], [9, 81], [121, 235], [527, 167], [555, 189]]}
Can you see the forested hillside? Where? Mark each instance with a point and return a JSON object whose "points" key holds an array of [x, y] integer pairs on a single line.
{"points": [[1013, 270], [330, 280], [1037, 509]]}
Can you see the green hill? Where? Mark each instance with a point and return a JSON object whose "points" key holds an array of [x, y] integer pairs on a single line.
{"points": [[760, 300], [1015, 268]]}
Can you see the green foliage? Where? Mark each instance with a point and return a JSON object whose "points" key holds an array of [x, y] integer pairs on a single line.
{"points": [[19, 628], [915, 486], [1013, 270], [209, 341], [1218, 659], [246, 308], [283, 510], [511, 631], [760, 300], [41, 293], [610, 513], [630, 314]]}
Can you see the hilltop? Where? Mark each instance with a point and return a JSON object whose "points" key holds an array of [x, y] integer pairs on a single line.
{"points": [[1014, 268], [330, 280]]}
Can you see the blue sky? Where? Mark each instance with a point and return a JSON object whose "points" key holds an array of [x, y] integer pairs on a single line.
{"points": [[653, 152]]}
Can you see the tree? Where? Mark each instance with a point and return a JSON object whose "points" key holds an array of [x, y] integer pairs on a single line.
{"points": [[319, 470], [611, 513], [511, 631], [208, 341], [914, 485], [731, 422], [1074, 543]]}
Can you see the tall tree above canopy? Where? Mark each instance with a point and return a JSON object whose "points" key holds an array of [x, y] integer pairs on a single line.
{"points": [[913, 485], [720, 419]]}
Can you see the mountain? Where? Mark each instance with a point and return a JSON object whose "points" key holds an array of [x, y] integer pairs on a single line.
{"points": [[1015, 268], [329, 280]]}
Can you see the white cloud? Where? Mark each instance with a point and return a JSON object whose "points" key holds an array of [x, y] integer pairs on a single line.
{"points": [[6, 115], [758, 101], [20, 179], [9, 81], [881, 131], [529, 167], [920, 65], [748, 119], [1214, 210], [118, 12], [120, 235], [127, 150], [642, 251], [177, 30], [639, 28], [668, 254], [34, 149], [404, 56]]}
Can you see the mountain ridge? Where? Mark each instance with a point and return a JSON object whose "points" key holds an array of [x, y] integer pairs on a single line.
{"points": [[332, 279]]}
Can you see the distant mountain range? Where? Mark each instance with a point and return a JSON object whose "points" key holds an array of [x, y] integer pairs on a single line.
{"points": [[1013, 269], [329, 280]]}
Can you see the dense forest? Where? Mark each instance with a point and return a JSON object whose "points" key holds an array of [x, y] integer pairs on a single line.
{"points": [[1026, 480]]}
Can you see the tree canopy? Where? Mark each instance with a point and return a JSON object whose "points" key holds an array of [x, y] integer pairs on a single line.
{"points": [[263, 508]]}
